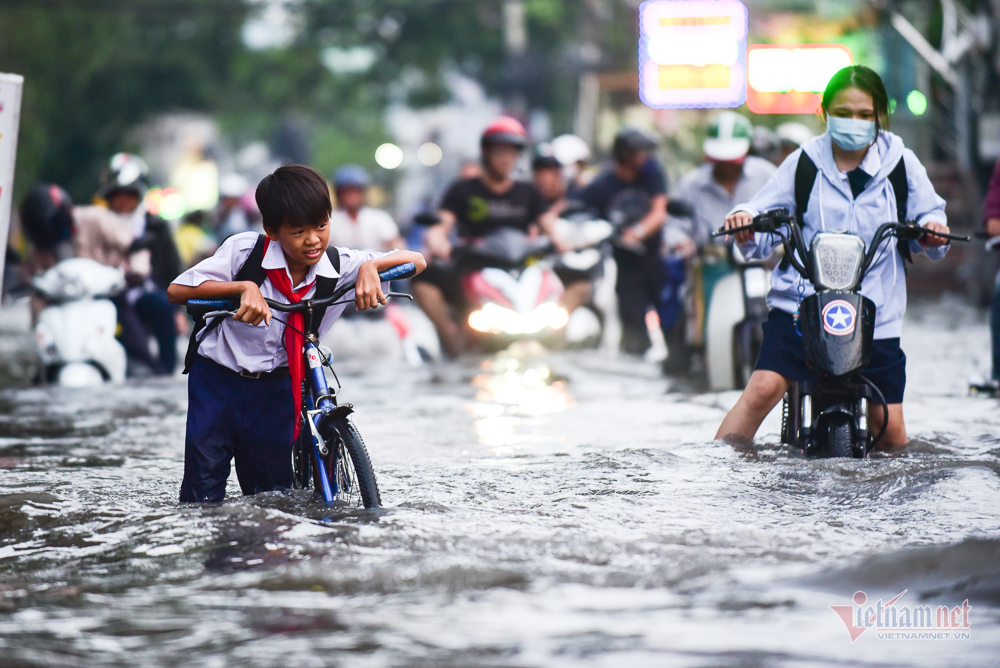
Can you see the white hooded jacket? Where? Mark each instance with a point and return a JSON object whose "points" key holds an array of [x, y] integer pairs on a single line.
{"points": [[832, 207]]}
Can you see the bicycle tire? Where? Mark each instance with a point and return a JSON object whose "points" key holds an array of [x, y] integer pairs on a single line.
{"points": [[349, 464], [839, 436]]}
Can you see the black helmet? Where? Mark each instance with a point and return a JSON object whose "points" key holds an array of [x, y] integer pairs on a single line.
{"points": [[125, 172], [631, 140], [47, 215], [545, 158]]}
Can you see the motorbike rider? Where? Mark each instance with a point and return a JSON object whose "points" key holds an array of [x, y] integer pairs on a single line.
{"points": [[548, 174], [854, 166], [125, 235], [47, 221], [632, 196], [573, 154], [355, 225], [790, 135], [473, 208], [230, 218], [991, 223], [728, 176]]}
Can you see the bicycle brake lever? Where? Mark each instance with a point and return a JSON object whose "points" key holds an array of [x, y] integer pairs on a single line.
{"points": [[215, 314], [400, 295]]}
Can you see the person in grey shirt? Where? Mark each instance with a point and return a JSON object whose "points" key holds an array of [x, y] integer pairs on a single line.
{"points": [[728, 176]]}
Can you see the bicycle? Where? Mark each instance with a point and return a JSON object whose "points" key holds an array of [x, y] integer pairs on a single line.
{"points": [[337, 463]]}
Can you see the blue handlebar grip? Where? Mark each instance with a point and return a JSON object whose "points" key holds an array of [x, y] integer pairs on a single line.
{"points": [[211, 303], [399, 271]]}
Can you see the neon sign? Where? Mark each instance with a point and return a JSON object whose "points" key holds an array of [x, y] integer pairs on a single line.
{"points": [[692, 53], [790, 78]]}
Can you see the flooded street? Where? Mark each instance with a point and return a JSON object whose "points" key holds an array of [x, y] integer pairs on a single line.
{"points": [[559, 510]]}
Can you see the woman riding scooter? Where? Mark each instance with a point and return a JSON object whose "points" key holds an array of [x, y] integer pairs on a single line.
{"points": [[851, 178]]}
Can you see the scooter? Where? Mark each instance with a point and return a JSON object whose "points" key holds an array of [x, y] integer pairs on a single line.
{"points": [[725, 307], [734, 321], [513, 291], [588, 261], [829, 417], [75, 333]]}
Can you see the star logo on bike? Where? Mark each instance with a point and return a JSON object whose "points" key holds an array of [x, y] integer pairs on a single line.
{"points": [[839, 317]]}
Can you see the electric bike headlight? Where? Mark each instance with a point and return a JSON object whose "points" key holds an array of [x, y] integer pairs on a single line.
{"points": [[836, 260]]}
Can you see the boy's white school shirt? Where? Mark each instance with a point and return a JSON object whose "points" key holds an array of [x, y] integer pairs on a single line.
{"points": [[243, 347]]}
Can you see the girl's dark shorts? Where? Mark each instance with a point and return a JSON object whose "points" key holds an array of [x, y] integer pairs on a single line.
{"points": [[782, 352]]}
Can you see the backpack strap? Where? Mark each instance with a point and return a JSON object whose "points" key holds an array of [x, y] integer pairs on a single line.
{"points": [[805, 176], [901, 189], [325, 286], [252, 270]]}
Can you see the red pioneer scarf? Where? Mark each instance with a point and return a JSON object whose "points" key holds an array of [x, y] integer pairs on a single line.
{"points": [[294, 341]]}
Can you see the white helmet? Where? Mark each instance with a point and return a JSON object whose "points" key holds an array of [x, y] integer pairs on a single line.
{"points": [[570, 149], [794, 133]]}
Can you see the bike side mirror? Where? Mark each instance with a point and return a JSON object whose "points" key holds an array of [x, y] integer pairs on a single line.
{"points": [[427, 219], [680, 208]]}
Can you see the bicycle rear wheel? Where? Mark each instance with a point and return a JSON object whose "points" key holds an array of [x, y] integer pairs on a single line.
{"points": [[348, 465]]}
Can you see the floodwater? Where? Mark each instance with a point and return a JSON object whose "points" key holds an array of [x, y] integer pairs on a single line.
{"points": [[559, 510]]}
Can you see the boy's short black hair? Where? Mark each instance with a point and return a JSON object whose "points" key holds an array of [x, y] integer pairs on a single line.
{"points": [[293, 194]]}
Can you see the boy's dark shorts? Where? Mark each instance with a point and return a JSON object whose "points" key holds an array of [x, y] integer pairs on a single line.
{"points": [[782, 352]]}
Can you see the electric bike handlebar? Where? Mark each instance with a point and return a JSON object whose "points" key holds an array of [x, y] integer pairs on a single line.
{"points": [[908, 230]]}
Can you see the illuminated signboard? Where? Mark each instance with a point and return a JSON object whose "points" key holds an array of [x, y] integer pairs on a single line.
{"points": [[790, 78], [692, 53]]}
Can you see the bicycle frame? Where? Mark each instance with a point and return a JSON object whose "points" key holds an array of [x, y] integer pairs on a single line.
{"points": [[317, 404]]}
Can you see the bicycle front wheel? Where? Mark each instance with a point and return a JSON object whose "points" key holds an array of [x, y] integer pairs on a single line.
{"points": [[348, 466]]}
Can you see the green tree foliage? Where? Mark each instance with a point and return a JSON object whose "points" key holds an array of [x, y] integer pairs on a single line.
{"points": [[96, 68]]}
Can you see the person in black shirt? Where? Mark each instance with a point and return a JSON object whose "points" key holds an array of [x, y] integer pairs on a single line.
{"points": [[631, 195], [474, 208]]}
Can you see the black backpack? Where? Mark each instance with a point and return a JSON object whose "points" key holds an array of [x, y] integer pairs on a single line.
{"points": [[253, 270], [805, 177]]}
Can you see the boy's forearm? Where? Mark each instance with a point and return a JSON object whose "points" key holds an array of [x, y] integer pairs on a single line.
{"points": [[397, 258], [179, 294]]}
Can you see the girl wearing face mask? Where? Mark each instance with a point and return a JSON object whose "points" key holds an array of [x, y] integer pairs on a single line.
{"points": [[852, 191]]}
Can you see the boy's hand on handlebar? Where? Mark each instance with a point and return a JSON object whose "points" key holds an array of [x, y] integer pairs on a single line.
{"points": [[253, 309], [368, 288], [740, 219], [932, 240]]}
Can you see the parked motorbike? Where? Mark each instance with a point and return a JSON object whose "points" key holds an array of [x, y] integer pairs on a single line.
{"points": [[75, 333], [829, 417]]}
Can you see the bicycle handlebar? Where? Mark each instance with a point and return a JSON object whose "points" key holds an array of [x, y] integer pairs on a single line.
{"points": [[226, 306]]}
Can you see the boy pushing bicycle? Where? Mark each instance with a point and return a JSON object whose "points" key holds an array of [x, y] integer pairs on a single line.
{"points": [[244, 391]]}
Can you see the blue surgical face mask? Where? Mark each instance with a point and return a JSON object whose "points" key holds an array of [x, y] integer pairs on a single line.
{"points": [[851, 134]]}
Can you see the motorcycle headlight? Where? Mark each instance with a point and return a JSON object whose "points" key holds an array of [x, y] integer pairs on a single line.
{"points": [[495, 318], [836, 260]]}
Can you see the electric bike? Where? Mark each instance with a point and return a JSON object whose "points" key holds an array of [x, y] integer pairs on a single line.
{"points": [[829, 417]]}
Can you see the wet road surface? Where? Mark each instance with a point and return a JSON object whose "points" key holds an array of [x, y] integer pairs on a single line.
{"points": [[560, 510]]}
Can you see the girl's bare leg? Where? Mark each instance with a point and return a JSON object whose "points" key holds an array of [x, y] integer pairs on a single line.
{"points": [[762, 393]]}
